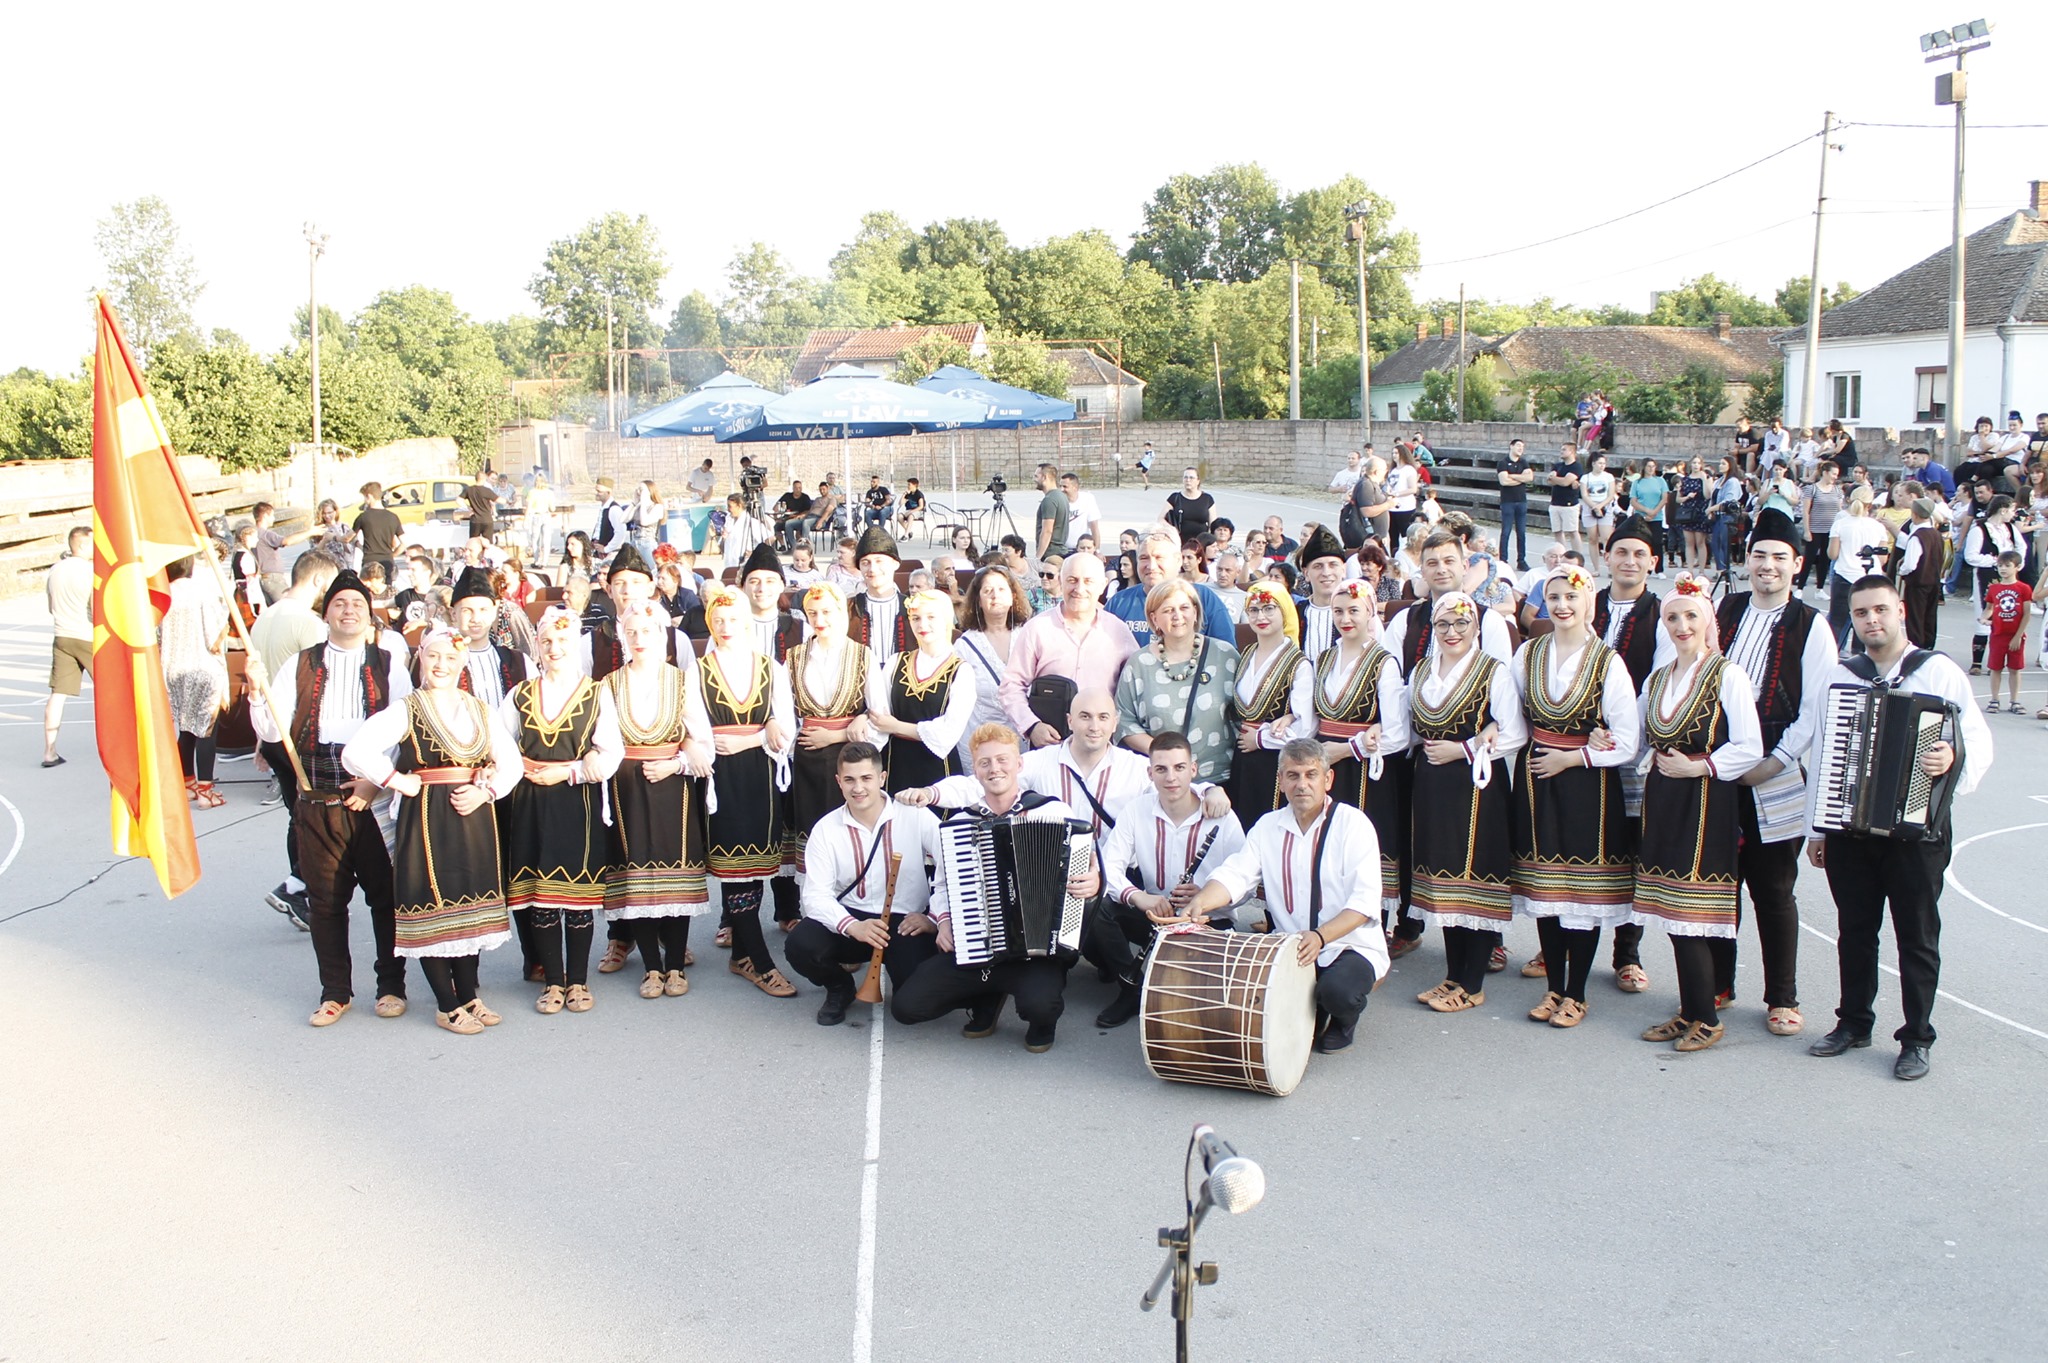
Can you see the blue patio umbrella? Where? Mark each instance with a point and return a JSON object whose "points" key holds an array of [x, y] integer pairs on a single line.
{"points": [[702, 411], [845, 403], [1008, 406]]}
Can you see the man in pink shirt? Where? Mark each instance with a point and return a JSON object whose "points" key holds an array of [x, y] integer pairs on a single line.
{"points": [[1080, 642]]}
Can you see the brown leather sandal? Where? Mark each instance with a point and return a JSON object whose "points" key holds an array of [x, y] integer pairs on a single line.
{"points": [[772, 983], [1699, 1036], [1546, 1010], [1429, 994], [1631, 979], [1534, 968], [481, 1011], [390, 1006], [676, 985], [328, 1013], [722, 938], [1784, 1022], [579, 1000], [550, 1000], [462, 1022], [652, 984], [1570, 1013], [1456, 1000], [1668, 1030], [614, 958], [689, 958]]}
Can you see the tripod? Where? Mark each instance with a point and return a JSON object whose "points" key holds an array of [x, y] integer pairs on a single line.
{"points": [[1185, 1273], [999, 515]]}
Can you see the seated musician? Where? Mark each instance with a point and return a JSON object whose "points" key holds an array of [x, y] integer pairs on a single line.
{"points": [[942, 984], [1330, 894], [1173, 845], [846, 875]]}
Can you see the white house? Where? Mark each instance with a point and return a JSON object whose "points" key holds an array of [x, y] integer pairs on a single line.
{"points": [[1397, 379], [877, 350], [1884, 354], [1098, 389]]}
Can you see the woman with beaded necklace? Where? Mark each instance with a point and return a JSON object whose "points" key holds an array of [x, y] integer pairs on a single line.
{"points": [[1574, 852], [1701, 733], [1466, 724]]}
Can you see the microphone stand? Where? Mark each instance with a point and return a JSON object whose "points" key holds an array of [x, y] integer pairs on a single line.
{"points": [[1186, 1274]]}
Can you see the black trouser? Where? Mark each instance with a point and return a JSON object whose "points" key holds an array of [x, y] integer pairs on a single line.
{"points": [[340, 850], [941, 985], [452, 978], [1695, 961], [1344, 987], [1816, 563], [821, 955], [195, 756], [1467, 953], [280, 764], [1865, 874], [1628, 937], [1923, 608], [1768, 871], [1567, 956], [562, 937], [662, 941]]}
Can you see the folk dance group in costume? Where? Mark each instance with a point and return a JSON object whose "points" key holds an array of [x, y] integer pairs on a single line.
{"points": [[1641, 763]]}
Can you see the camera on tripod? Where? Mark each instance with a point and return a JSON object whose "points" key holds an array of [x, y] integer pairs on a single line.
{"points": [[996, 487]]}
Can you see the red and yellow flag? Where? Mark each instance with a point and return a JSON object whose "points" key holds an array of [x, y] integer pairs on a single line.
{"points": [[142, 522]]}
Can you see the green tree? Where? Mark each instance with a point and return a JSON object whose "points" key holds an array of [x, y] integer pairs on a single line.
{"points": [[333, 327], [425, 332], [1554, 394], [45, 417], [616, 263], [1652, 404], [1329, 390], [766, 303], [868, 275], [1766, 393], [1225, 226], [225, 402], [1701, 393], [1697, 302], [1315, 227], [1024, 363], [1068, 286], [1798, 292], [363, 395], [695, 327], [150, 278], [1180, 392], [517, 341], [923, 357], [1249, 323], [1439, 398]]}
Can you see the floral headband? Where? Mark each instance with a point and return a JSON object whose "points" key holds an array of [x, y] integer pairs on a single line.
{"points": [[665, 554], [440, 634], [555, 618], [825, 592], [1690, 585], [1453, 605], [645, 610], [927, 599], [1356, 589], [719, 595], [1575, 577]]}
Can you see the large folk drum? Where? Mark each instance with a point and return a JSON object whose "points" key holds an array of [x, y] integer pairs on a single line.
{"points": [[1232, 1009]]}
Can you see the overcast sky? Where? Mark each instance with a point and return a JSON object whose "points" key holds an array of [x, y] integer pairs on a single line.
{"points": [[448, 145]]}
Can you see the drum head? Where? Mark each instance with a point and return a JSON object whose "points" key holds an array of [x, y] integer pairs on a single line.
{"points": [[1290, 1018]]}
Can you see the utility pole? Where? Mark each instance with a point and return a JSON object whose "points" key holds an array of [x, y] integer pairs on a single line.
{"points": [[1216, 355], [1461, 354], [1953, 88], [316, 246], [1294, 340], [611, 415], [1356, 230], [1811, 378]]}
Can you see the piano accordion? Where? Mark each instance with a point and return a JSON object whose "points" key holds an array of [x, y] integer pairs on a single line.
{"points": [[1868, 767], [1007, 883]]}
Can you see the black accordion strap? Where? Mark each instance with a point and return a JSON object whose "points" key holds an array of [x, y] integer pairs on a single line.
{"points": [[1315, 870]]}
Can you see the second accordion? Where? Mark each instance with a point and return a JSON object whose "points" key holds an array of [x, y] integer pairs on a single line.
{"points": [[1008, 884]]}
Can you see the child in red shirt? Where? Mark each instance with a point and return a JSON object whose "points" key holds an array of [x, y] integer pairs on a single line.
{"points": [[2006, 606]]}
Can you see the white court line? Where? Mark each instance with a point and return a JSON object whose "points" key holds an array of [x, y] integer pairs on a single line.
{"points": [[1963, 890], [20, 835], [870, 1176], [1943, 993]]}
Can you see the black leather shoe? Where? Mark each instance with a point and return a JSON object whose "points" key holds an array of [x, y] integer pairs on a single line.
{"points": [[1125, 1007], [1336, 1038], [1839, 1042], [981, 1020], [1038, 1037], [832, 1011], [1912, 1062]]}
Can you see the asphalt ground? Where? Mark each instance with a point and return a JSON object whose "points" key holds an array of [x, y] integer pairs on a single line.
{"points": [[189, 1171]]}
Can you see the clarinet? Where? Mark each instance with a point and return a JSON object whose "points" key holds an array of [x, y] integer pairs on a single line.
{"points": [[1186, 877]]}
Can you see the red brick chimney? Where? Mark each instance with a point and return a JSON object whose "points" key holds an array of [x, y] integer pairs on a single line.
{"points": [[1450, 327], [2037, 197], [1723, 324], [1422, 328]]}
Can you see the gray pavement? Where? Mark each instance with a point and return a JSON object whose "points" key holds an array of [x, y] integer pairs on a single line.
{"points": [[193, 1173]]}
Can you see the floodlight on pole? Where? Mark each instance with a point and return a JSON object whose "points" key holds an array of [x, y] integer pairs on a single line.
{"points": [[1355, 230], [1952, 88]]}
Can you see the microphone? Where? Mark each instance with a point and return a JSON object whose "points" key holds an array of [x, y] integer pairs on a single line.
{"points": [[1235, 1183]]}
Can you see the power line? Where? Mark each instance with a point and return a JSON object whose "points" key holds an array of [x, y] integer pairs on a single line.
{"points": [[1634, 213], [1943, 127], [1691, 251]]}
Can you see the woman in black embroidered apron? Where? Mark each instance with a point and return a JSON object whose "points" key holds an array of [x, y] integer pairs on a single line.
{"points": [[445, 757], [1466, 721], [1700, 727], [656, 882], [922, 700], [1360, 706], [1262, 701], [828, 683], [551, 826], [1574, 844], [746, 696]]}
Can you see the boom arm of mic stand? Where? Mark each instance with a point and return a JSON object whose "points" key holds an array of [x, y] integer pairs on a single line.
{"points": [[1186, 1247]]}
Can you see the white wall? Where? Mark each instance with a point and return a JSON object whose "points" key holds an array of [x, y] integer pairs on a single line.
{"points": [[2003, 367]]}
